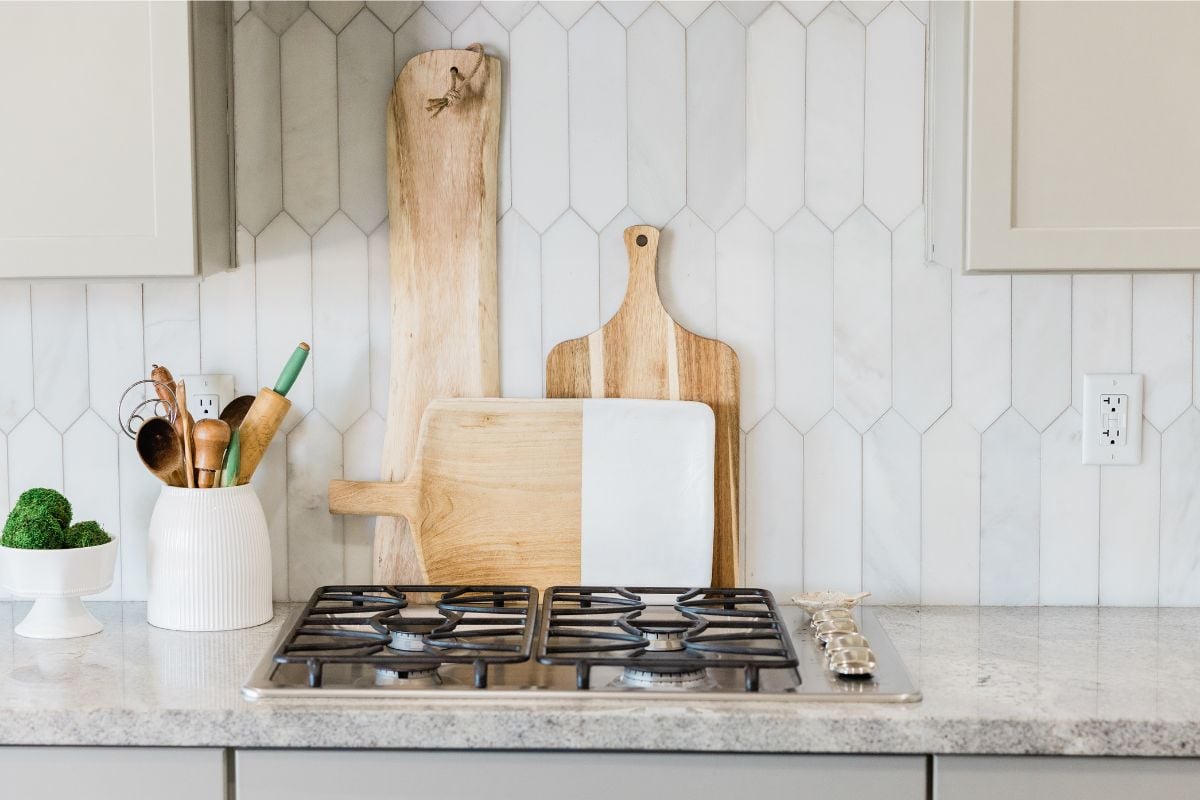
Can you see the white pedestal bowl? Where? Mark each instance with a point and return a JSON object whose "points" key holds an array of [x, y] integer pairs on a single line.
{"points": [[56, 579]]}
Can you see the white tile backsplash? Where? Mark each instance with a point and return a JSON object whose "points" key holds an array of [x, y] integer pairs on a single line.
{"points": [[905, 429]]}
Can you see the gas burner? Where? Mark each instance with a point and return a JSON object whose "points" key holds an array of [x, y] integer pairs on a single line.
{"points": [[415, 678], [410, 641], [650, 678]]}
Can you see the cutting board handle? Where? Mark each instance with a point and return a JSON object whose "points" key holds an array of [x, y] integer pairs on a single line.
{"points": [[375, 498], [641, 291]]}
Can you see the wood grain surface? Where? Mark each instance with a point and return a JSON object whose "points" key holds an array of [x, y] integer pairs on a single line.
{"points": [[643, 353], [442, 209]]}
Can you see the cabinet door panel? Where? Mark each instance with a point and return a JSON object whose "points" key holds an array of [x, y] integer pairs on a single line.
{"points": [[112, 773], [1056, 778]]}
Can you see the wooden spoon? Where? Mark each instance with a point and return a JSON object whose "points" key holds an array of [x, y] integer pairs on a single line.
{"points": [[235, 412], [185, 433], [209, 440], [159, 447]]}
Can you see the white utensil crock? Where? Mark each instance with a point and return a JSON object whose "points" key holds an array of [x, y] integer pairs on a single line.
{"points": [[56, 579], [209, 560]]}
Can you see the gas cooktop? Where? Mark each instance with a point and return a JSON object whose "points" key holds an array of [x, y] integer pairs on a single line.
{"points": [[585, 642]]}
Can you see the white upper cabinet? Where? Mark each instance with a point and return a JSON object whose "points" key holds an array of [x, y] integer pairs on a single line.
{"points": [[1065, 136], [114, 147]]}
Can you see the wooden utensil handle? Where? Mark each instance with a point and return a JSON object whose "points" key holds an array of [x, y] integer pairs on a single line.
{"points": [[258, 429]]}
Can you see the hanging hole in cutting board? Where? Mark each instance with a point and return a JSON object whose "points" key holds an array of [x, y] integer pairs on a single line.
{"points": [[641, 240]]}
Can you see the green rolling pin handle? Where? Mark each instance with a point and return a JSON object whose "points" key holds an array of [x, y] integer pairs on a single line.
{"points": [[233, 458], [291, 370]]}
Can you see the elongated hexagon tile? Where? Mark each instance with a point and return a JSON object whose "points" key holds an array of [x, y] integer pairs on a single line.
{"points": [[379, 313], [336, 14], [256, 123], [283, 295], [716, 116], [1162, 344], [139, 491], [91, 480], [687, 273], [341, 332], [393, 13], [270, 484], [895, 115], [308, 58], [657, 116], [1009, 501], [520, 284], [1129, 528], [1070, 517], [835, 75], [451, 13], [363, 445], [862, 320], [747, 11], [420, 32], [279, 14], [1179, 570], [568, 12], [36, 449], [805, 10], [316, 546], [16, 357], [509, 12], [541, 185], [866, 10], [227, 330], [614, 263], [950, 453], [775, 116], [1196, 338], [686, 11], [1041, 346], [599, 169], [626, 11], [240, 7], [833, 506], [775, 506], [482, 27], [921, 374], [114, 330], [982, 346], [919, 9], [745, 287], [804, 320], [1101, 327], [892, 511], [171, 320], [570, 281], [364, 77], [60, 352]]}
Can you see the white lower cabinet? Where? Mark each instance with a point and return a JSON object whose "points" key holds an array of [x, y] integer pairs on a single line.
{"points": [[401, 775], [112, 773], [1059, 778]]}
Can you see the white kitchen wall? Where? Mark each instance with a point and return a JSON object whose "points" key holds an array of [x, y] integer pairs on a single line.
{"points": [[907, 430]]}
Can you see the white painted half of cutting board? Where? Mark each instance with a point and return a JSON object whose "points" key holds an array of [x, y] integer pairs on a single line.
{"points": [[647, 503]]}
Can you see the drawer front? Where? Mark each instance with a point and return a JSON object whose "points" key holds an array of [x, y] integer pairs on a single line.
{"points": [[112, 773], [1058, 778]]}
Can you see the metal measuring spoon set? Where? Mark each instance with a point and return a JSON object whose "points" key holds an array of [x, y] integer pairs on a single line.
{"points": [[848, 653]]}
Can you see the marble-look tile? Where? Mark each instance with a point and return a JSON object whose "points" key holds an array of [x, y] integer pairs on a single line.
{"points": [[336, 13], [568, 12], [1010, 490], [747, 11], [379, 313], [775, 506], [921, 374], [1179, 561], [1041, 347], [1195, 338], [309, 101], [1101, 328], [919, 9], [626, 11], [364, 84], [599, 169], [686, 11], [862, 320], [278, 14], [950, 466], [981, 346], [256, 123], [657, 116], [540, 159], [1070, 517], [835, 74], [16, 357], [804, 320], [270, 483], [316, 547], [894, 157], [364, 446], [1162, 344], [570, 281], [240, 7], [227, 330], [283, 296], [60, 352], [341, 333], [716, 116], [171, 326], [774, 115], [687, 273], [745, 287], [805, 10], [866, 10], [520, 292], [451, 13], [138, 493], [892, 511], [483, 28], [419, 33], [833, 497], [35, 456], [91, 481], [509, 12], [614, 262], [393, 13], [114, 331], [1129, 528]]}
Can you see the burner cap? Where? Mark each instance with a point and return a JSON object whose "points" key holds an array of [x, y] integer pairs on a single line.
{"points": [[412, 641], [663, 640], [413, 678], [665, 679]]}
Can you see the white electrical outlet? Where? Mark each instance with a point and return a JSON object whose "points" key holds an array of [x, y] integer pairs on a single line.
{"points": [[207, 395], [1112, 419]]}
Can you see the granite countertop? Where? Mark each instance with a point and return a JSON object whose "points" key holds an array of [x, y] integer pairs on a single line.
{"points": [[1080, 681]]}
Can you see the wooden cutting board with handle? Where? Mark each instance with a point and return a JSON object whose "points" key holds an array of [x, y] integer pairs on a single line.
{"points": [[442, 210], [554, 492], [643, 352]]}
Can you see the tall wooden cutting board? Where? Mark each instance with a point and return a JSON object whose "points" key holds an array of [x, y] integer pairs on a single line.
{"points": [[642, 352], [442, 209]]}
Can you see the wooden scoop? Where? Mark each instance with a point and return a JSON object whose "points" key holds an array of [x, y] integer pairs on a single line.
{"points": [[210, 437], [159, 447], [235, 412]]}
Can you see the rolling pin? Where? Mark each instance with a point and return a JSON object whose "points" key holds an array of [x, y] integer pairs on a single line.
{"points": [[266, 415], [209, 440]]}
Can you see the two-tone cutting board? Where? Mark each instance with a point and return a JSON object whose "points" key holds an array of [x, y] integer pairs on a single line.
{"points": [[554, 492], [642, 352]]}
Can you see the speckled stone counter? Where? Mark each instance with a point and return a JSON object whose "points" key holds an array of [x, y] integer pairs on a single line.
{"points": [[995, 680]]}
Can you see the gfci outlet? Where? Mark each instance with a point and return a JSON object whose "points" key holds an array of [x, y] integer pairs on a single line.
{"points": [[1112, 419], [207, 395]]}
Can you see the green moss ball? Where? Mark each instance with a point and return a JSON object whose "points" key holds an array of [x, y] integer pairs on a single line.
{"points": [[32, 528], [53, 502], [87, 534]]}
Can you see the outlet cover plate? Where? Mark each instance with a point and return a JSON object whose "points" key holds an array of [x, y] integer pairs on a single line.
{"points": [[1112, 419], [207, 395]]}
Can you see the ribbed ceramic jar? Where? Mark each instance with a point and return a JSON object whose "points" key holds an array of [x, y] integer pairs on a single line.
{"points": [[209, 560]]}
